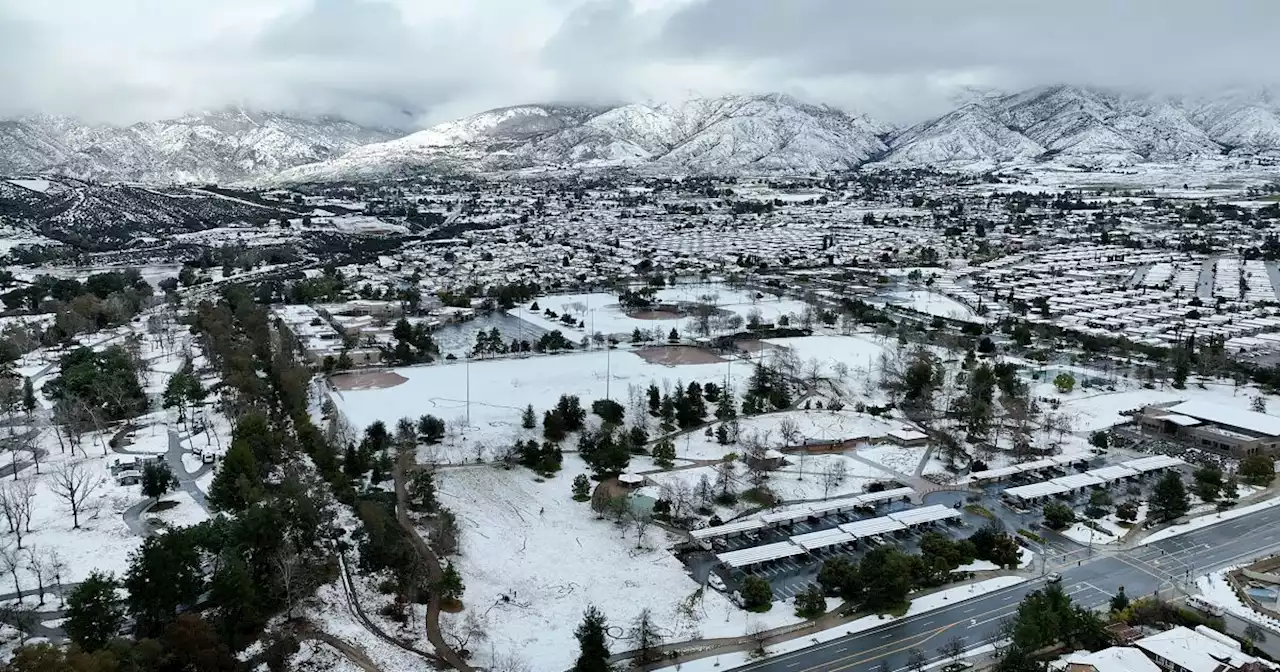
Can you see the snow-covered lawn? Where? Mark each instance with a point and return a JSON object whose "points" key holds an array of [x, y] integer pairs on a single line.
{"points": [[602, 313], [551, 557], [500, 390], [103, 541], [812, 426], [185, 513], [895, 458], [933, 303]]}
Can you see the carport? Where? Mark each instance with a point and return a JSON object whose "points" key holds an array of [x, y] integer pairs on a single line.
{"points": [[1076, 482], [924, 515], [1034, 492], [861, 529], [1153, 463], [1115, 472], [759, 554], [728, 529], [816, 540]]}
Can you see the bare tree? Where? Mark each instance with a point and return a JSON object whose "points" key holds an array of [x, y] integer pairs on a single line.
{"points": [[833, 476], [15, 506], [74, 484], [461, 633], [915, 660], [508, 662], [289, 567], [789, 429], [680, 495], [641, 520], [953, 648], [58, 568], [758, 633], [644, 635], [38, 564], [11, 561]]}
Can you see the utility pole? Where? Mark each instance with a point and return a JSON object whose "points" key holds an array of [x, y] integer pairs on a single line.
{"points": [[468, 365], [608, 371]]}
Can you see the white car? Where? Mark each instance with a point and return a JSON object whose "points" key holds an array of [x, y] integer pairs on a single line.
{"points": [[716, 582], [1053, 577]]}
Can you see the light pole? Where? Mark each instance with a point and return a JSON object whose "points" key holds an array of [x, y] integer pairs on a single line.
{"points": [[608, 371], [468, 368]]}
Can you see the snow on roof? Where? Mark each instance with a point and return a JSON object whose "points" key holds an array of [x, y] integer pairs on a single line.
{"points": [[1113, 659], [924, 514], [1252, 421], [1193, 651], [630, 478], [758, 554], [872, 526], [1036, 490], [1183, 420]]}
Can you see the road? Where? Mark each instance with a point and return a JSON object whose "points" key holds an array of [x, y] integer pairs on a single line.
{"points": [[1167, 566]]}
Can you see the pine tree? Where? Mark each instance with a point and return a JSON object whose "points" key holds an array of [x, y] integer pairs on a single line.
{"points": [[581, 488], [238, 483], [1169, 498], [664, 453], [94, 614], [593, 648], [528, 419], [655, 399]]}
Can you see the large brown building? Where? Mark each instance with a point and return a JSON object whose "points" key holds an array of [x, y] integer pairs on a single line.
{"points": [[1215, 426]]}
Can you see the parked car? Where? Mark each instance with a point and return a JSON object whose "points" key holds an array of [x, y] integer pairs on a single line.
{"points": [[716, 582], [958, 666]]}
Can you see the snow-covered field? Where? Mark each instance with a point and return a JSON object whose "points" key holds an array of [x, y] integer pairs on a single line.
{"points": [[933, 303], [811, 425], [601, 312], [500, 390], [551, 557]]}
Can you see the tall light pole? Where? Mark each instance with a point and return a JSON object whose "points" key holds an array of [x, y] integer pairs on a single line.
{"points": [[608, 370], [468, 367]]}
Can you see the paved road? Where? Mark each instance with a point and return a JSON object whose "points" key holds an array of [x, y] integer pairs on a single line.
{"points": [[1166, 566]]}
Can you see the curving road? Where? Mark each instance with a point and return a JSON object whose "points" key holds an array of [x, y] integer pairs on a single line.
{"points": [[1168, 567]]}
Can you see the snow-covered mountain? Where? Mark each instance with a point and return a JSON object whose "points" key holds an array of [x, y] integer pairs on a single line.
{"points": [[757, 133], [738, 134], [1091, 126], [220, 146]]}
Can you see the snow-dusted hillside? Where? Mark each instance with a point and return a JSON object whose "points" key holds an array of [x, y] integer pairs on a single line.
{"points": [[736, 134], [221, 146], [762, 133], [1093, 127]]}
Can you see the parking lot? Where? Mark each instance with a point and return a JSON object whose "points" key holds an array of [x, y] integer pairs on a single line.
{"points": [[981, 505]]}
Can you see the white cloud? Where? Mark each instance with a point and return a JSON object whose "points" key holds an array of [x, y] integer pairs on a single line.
{"points": [[410, 62]]}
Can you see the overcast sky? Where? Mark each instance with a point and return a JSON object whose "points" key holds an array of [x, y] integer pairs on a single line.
{"points": [[416, 62]]}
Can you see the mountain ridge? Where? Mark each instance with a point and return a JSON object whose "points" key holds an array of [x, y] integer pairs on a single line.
{"points": [[766, 133]]}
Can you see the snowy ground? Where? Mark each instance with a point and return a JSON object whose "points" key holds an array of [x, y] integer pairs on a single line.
{"points": [[812, 426], [933, 303], [551, 556], [1215, 588], [1112, 530], [601, 312], [896, 458], [500, 390]]}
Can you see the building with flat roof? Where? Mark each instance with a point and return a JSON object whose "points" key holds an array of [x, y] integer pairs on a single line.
{"points": [[1213, 426]]}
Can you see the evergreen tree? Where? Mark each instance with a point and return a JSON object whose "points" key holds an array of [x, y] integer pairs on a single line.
{"points": [[664, 453], [1119, 601], [757, 594], [528, 419], [581, 488], [238, 482], [157, 480], [655, 399], [94, 614], [1169, 498], [593, 648]]}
